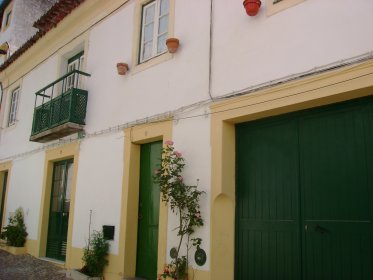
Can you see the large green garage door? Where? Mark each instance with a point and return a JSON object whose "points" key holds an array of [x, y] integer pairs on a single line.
{"points": [[304, 195]]}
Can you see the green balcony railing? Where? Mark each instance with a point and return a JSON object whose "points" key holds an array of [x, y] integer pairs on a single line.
{"points": [[62, 115]]}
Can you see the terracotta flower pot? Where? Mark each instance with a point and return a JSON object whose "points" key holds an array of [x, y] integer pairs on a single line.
{"points": [[122, 68], [172, 44], [252, 6]]}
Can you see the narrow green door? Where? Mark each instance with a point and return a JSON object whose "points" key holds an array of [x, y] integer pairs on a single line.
{"points": [[336, 185], [267, 211], [3, 192], [149, 197], [59, 210]]}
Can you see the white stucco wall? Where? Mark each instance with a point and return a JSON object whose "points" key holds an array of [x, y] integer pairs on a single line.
{"points": [[99, 187], [191, 137], [15, 139], [169, 85], [25, 188], [251, 50]]}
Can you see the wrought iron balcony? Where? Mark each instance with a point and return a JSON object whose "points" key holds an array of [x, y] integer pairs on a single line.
{"points": [[63, 114]]}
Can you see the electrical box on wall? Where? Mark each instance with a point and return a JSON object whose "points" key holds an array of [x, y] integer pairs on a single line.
{"points": [[108, 232]]}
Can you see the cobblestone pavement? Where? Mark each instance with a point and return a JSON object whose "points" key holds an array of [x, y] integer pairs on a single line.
{"points": [[26, 267]]}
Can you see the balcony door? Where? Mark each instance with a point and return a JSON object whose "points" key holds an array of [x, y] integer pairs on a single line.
{"points": [[74, 63], [59, 210]]}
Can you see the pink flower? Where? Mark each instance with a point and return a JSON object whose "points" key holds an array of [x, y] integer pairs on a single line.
{"points": [[177, 154], [181, 178], [156, 171], [169, 142]]}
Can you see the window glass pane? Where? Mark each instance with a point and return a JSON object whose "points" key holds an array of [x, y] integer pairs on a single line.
{"points": [[7, 20], [149, 13], [163, 25], [68, 187], [13, 107], [147, 50], [164, 7], [161, 43], [148, 33], [155, 22]]}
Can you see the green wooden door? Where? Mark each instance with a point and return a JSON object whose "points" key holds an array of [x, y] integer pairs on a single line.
{"points": [[336, 185], [59, 210], [3, 192], [149, 197], [267, 216], [312, 171]]}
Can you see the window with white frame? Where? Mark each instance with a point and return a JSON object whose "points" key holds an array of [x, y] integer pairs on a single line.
{"points": [[13, 107], [154, 29], [6, 17]]}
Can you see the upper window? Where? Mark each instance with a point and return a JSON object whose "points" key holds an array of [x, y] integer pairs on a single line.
{"points": [[154, 29], [275, 6], [13, 107], [7, 17]]}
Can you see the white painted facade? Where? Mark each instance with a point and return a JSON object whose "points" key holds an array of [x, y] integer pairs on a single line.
{"points": [[245, 52], [261, 49]]}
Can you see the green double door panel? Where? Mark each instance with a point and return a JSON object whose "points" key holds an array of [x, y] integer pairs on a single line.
{"points": [[59, 210], [304, 190], [148, 215]]}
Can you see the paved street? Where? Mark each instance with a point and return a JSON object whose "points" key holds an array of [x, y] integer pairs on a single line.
{"points": [[26, 267]]}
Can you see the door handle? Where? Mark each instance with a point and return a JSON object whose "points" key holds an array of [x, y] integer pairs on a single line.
{"points": [[320, 229]]}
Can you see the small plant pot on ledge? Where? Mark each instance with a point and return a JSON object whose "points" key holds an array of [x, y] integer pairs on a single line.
{"points": [[172, 44], [252, 6], [122, 68]]}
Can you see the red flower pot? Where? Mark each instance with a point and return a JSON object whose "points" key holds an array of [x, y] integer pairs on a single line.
{"points": [[172, 44], [122, 68], [252, 6]]}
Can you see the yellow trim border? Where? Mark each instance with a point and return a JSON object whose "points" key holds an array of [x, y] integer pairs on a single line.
{"points": [[69, 151], [4, 167], [134, 137], [327, 88]]}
